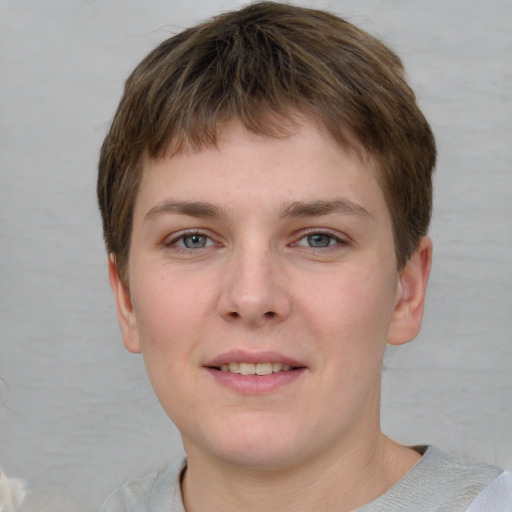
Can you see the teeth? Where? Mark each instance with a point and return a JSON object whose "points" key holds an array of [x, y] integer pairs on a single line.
{"points": [[247, 368], [277, 367], [263, 368], [234, 368], [255, 369]]}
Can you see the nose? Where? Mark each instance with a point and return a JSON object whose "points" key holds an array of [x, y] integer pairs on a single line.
{"points": [[254, 288]]}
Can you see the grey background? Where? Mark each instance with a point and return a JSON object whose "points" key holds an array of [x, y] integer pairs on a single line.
{"points": [[77, 416]]}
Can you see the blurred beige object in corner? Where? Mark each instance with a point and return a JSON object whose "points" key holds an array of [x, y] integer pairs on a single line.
{"points": [[12, 492]]}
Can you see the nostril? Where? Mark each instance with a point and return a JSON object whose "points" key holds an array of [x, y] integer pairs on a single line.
{"points": [[270, 314]]}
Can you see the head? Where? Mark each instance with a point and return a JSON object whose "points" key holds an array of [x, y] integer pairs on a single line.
{"points": [[261, 66], [265, 188]]}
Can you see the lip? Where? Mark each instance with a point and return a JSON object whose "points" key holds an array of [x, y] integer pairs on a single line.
{"points": [[254, 384]]}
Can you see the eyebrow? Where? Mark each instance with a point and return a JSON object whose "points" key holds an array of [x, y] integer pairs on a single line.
{"points": [[315, 208], [192, 208], [324, 207]]}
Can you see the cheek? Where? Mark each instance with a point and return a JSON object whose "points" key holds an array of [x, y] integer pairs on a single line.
{"points": [[355, 299], [171, 324], [170, 315], [350, 316]]}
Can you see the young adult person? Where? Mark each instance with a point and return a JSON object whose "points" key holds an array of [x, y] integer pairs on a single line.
{"points": [[266, 190]]}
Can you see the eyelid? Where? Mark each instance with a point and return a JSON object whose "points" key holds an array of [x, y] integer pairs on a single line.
{"points": [[173, 239], [340, 238]]}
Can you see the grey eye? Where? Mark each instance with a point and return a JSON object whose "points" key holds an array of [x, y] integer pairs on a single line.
{"points": [[195, 241], [320, 240]]}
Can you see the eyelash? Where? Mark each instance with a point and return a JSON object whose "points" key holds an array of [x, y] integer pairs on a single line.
{"points": [[174, 242], [332, 237]]}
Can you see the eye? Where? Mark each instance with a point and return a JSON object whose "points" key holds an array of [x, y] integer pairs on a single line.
{"points": [[194, 241], [191, 241], [319, 240]]}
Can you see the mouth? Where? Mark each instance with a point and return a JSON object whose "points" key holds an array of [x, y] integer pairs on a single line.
{"points": [[255, 373], [255, 368]]}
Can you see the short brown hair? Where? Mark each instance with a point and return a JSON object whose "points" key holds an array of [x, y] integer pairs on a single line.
{"points": [[259, 65]]}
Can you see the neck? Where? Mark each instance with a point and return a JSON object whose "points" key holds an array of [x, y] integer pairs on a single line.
{"points": [[344, 478]]}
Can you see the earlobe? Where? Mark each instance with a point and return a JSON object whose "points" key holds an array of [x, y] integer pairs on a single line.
{"points": [[412, 287], [125, 312]]}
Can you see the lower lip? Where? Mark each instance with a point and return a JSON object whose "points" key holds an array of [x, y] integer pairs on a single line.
{"points": [[256, 384]]}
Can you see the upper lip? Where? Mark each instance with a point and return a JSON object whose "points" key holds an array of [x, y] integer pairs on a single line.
{"points": [[242, 356]]}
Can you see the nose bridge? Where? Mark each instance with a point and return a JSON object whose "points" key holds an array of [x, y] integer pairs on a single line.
{"points": [[253, 287]]}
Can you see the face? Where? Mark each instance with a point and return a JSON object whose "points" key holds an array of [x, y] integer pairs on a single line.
{"points": [[262, 290]]}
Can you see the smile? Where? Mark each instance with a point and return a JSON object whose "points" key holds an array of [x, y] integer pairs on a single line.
{"points": [[255, 368], [254, 374]]}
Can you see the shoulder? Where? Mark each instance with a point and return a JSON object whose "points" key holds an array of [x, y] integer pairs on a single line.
{"points": [[438, 482], [496, 497], [454, 483], [157, 492]]}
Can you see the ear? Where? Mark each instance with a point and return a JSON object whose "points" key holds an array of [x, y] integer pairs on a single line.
{"points": [[412, 286], [125, 313]]}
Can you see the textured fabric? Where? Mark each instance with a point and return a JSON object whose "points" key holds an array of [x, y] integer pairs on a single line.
{"points": [[158, 492], [496, 497], [437, 483]]}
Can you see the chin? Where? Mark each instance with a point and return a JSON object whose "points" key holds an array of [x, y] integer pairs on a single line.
{"points": [[258, 459], [258, 447]]}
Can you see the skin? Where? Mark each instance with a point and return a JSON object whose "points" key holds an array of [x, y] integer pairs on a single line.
{"points": [[290, 251]]}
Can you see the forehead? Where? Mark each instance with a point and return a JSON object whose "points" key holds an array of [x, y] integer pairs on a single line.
{"points": [[302, 163]]}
